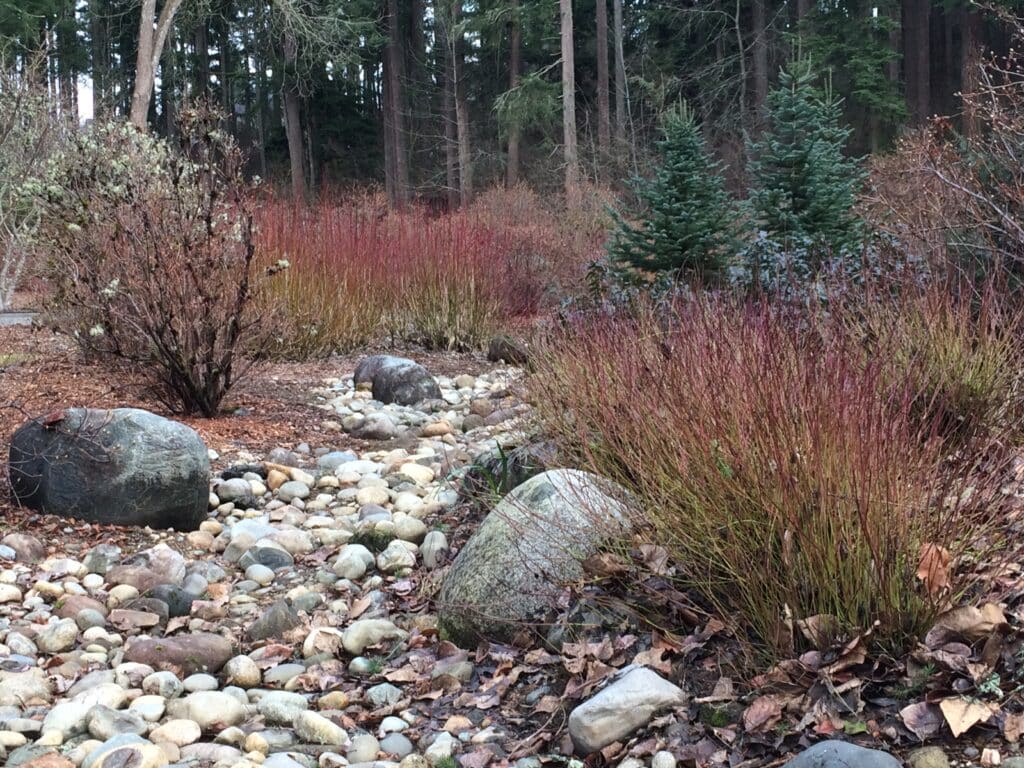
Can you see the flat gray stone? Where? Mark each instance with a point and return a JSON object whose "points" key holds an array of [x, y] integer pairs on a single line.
{"points": [[841, 754]]}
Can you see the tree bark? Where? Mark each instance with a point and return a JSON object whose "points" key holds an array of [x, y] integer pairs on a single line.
{"points": [[514, 66], [603, 112], [100, 58], [202, 44], [293, 120], [461, 110], [151, 44], [620, 73], [916, 58], [572, 163], [168, 77], [451, 146], [759, 58], [803, 8], [398, 190]]}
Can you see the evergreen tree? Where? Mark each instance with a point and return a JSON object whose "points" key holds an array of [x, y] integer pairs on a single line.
{"points": [[804, 186], [689, 226]]}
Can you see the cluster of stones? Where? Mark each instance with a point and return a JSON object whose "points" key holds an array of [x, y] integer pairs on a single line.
{"points": [[113, 659]]}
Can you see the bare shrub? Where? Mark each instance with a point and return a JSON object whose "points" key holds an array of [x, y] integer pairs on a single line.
{"points": [[956, 197], [31, 131], [152, 255]]}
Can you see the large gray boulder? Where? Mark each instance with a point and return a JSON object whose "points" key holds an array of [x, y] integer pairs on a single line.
{"points": [[396, 380], [124, 466], [532, 544]]}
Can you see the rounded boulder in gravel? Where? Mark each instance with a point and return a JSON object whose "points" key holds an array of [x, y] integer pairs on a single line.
{"points": [[184, 654], [512, 569], [397, 380], [123, 466]]}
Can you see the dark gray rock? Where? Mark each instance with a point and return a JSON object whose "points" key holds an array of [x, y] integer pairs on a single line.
{"points": [[124, 466], [274, 622], [370, 366], [841, 754], [272, 557], [27, 754], [505, 348], [502, 471], [397, 380], [513, 568], [178, 600], [330, 462], [238, 470]]}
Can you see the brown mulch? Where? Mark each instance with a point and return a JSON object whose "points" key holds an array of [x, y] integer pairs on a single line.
{"points": [[42, 371]]}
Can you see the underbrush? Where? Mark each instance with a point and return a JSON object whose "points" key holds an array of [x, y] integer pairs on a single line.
{"points": [[785, 463], [359, 273]]}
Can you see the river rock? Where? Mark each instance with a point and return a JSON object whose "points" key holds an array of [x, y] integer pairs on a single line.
{"points": [[183, 654], [124, 466], [512, 569], [615, 712], [841, 754], [397, 380]]}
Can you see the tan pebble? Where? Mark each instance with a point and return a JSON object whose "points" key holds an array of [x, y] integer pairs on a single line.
{"points": [[256, 743], [172, 751], [52, 738], [12, 739], [437, 429], [333, 700], [211, 527], [275, 479], [200, 540]]}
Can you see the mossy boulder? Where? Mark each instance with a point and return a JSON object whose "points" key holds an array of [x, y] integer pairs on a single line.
{"points": [[124, 466], [512, 569]]}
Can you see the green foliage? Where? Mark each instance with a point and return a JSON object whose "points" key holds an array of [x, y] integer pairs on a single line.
{"points": [[689, 225], [804, 187], [851, 40], [533, 104]]}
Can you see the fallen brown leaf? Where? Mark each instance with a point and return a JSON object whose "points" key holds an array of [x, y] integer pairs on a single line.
{"points": [[922, 719], [963, 714], [1013, 727], [763, 714], [933, 568]]}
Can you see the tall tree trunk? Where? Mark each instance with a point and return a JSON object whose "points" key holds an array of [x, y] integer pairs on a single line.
{"points": [[759, 57], [892, 67], [227, 99], [398, 190], [572, 162], [514, 66], [620, 73], [916, 57], [202, 44], [100, 57], [603, 113], [152, 34], [293, 120], [803, 8], [970, 61], [461, 109], [451, 146], [416, 77], [168, 77]]}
